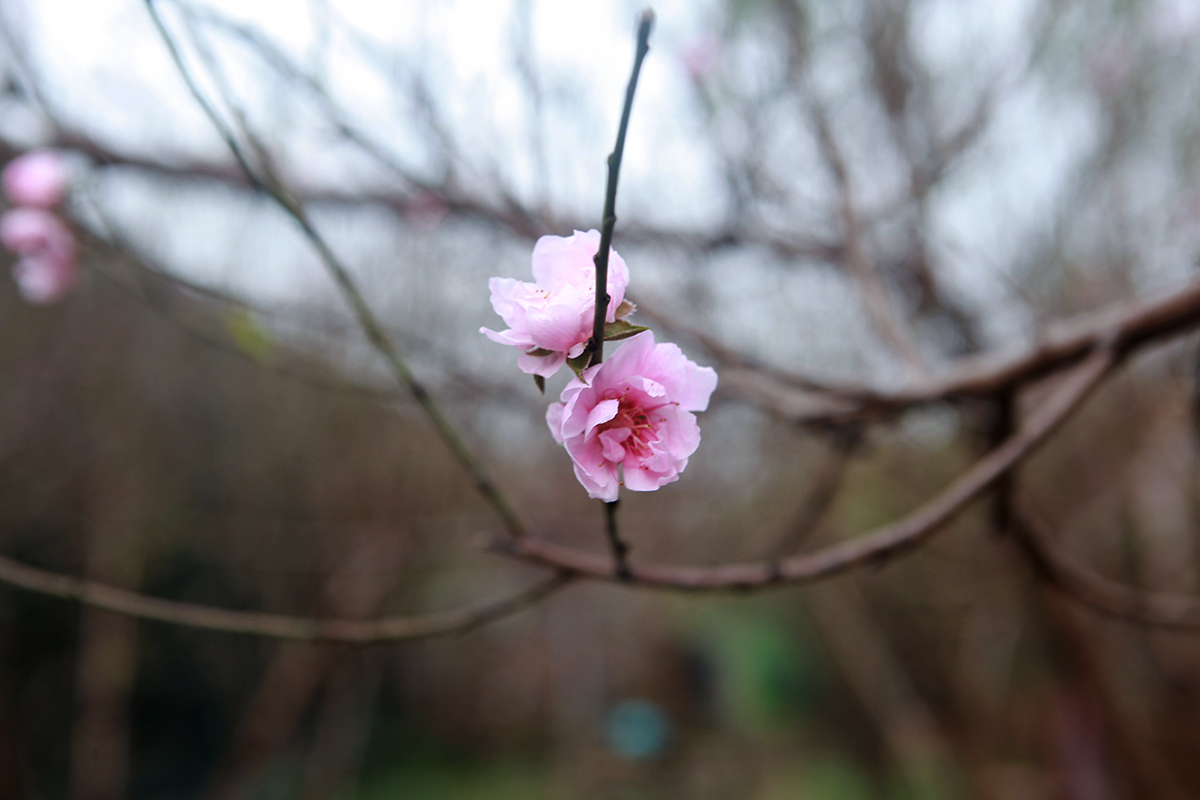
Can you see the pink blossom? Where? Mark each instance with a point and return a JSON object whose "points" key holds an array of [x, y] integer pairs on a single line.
{"points": [[555, 314], [632, 412], [45, 270], [37, 178], [701, 57]]}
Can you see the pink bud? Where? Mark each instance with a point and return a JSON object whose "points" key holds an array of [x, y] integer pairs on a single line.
{"points": [[46, 270], [44, 280], [37, 178], [701, 57]]}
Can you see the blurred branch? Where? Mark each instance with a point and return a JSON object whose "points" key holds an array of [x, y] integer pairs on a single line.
{"points": [[1154, 609], [871, 548], [880, 307], [1125, 326], [154, 288], [824, 489], [366, 318], [906, 723], [275, 626]]}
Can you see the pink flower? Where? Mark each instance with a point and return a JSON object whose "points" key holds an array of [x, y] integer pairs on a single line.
{"points": [[37, 178], [632, 412], [701, 57], [555, 315], [45, 270]]}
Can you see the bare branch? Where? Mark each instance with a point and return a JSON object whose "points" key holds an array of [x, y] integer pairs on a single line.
{"points": [[275, 626], [363, 314], [880, 308], [870, 548], [1126, 326], [1153, 609]]}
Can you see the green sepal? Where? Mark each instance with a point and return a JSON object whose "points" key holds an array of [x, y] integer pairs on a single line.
{"points": [[625, 309], [540, 352], [540, 382], [579, 363], [621, 330]]}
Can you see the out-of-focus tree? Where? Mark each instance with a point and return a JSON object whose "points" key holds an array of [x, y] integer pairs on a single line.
{"points": [[918, 240]]}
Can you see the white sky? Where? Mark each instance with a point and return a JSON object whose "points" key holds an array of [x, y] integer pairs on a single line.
{"points": [[107, 71]]}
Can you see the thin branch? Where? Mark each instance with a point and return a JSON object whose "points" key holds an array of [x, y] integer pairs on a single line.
{"points": [[608, 223], [823, 491], [880, 308], [363, 314], [620, 550], [209, 110], [1125, 326], [277, 626], [1154, 609], [872, 548], [145, 283], [609, 220]]}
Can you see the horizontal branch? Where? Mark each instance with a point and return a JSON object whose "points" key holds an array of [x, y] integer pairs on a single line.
{"points": [[871, 548], [1124, 327], [276, 626]]}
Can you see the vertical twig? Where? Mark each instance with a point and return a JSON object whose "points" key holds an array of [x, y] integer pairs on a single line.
{"points": [[596, 347], [620, 549], [885, 318]]}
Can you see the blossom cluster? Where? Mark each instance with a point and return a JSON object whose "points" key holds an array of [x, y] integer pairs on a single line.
{"points": [[36, 183], [625, 421]]}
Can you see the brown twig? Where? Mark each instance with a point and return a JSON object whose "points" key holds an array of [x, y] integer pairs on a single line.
{"points": [[879, 305], [1124, 326], [871, 548], [276, 626], [271, 185], [1154, 609]]}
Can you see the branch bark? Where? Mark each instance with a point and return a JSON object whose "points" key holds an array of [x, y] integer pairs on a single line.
{"points": [[871, 548]]}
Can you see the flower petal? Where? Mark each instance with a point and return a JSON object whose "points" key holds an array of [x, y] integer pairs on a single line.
{"points": [[601, 413], [554, 327]]}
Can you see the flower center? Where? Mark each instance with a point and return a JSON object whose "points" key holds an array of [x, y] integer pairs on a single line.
{"points": [[631, 416]]}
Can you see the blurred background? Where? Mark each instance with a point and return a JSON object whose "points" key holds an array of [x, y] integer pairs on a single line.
{"points": [[859, 192]]}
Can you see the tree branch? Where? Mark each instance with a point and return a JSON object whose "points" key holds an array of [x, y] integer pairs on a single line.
{"points": [[370, 324], [1153, 609], [276, 626], [609, 220], [872, 548]]}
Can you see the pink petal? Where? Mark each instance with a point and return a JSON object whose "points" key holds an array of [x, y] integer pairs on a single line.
{"points": [[642, 480], [597, 474], [600, 414], [43, 280], [610, 443], [554, 418], [509, 337], [37, 178], [545, 366], [28, 231], [553, 327]]}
